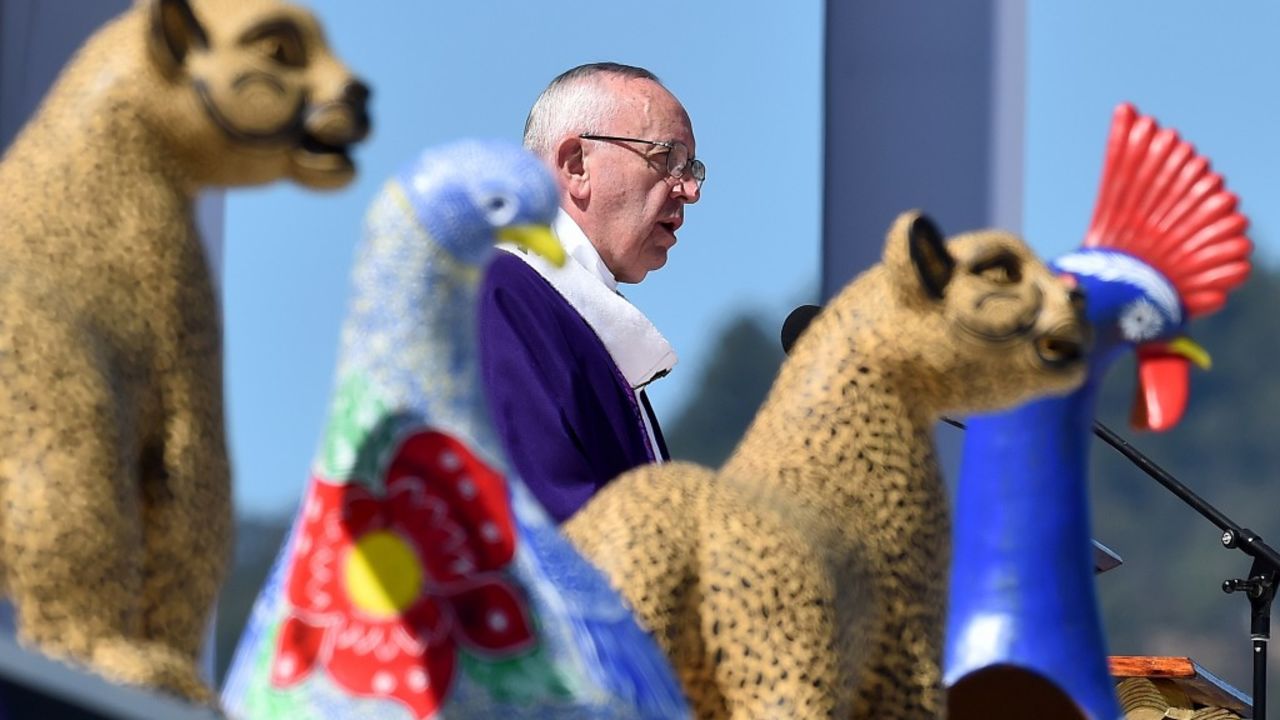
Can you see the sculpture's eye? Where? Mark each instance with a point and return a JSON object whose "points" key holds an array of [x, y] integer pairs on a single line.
{"points": [[1002, 269], [282, 44], [1140, 321], [499, 208], [279, 52]]}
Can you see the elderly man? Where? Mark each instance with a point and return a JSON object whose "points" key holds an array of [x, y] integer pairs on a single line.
{"points": [[565, 358]]}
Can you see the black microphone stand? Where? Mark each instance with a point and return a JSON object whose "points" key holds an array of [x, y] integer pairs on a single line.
{"points": [[1260, 586]]}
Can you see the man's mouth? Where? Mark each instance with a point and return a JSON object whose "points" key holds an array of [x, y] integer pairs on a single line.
{"points": [[671, 226]]}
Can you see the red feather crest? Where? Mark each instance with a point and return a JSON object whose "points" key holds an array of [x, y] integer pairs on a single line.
{"points": [[1160, 202]]}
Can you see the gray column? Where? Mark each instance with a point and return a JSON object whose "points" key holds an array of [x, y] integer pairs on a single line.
{"points": [[924, 107]]}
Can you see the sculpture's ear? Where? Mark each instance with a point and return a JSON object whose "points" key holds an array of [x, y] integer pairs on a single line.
{"points": [[174, 32], [929, 255], [916, 255]]}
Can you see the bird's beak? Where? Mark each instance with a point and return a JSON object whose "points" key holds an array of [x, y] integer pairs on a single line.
{"points": [[535, 238], [1164, 384]]}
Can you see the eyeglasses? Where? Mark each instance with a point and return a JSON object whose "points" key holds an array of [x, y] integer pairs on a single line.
{"points": [[678, 159]]}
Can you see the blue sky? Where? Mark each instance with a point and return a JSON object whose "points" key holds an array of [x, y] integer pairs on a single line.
{"points": [[750, 74], [1208, 70]]}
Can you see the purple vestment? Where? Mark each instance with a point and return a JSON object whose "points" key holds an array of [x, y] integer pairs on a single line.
{"points": [[567, 418]]}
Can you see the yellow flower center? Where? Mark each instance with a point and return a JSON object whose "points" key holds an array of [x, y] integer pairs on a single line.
{"points": [[382, 573]]}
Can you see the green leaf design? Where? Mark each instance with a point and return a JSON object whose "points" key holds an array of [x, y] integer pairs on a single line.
{"points": [[358, 437], [522, 679], [261, 699]]}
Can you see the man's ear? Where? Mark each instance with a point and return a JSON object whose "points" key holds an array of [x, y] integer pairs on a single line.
{"points": [[571, 168], [174, 32]]}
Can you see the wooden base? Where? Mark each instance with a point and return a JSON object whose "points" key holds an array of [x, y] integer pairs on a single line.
{"points": [[1145, 682]]}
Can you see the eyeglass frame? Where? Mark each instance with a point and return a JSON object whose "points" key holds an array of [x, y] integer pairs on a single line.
{"points": [[692, 163]]}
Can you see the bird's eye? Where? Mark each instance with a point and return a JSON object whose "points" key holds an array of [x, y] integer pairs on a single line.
{"points": [[1002, 269], [1141, 321], [499, 208]]}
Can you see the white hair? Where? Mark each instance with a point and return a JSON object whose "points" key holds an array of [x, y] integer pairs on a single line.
{"points": [[575, 102]]}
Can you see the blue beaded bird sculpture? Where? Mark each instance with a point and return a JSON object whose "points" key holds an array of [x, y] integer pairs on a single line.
{"points": [[1166, 244], [421, 579]]}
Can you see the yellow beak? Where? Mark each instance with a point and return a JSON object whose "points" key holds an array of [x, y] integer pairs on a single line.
{"points": [[535, 238], [1191, 350]]}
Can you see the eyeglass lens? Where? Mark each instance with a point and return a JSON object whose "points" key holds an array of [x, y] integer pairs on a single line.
{"points": [[678, 163]]}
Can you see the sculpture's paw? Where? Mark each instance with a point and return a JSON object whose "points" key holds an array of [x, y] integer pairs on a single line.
{"points": [[152, 665]]}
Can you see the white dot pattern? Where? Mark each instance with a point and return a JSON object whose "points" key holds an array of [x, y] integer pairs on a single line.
{"points": [[498, 621], [384, 682]]}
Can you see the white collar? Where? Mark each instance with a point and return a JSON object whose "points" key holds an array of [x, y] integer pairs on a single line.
{"points": [[641, 353], [578, 247]]}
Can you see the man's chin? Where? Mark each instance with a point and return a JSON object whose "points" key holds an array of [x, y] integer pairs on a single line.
{"points": [[659, 260]]}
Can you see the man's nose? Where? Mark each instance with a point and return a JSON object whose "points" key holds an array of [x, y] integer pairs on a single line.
{"points": [[687, 188]]}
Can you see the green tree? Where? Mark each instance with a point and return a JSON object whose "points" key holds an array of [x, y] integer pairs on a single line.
{"points": [[731, 388]]}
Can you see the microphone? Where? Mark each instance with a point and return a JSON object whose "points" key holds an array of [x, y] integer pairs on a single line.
{"points": [[795, 324]]}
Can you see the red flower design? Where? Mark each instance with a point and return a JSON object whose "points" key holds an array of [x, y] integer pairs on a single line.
{"points": [[383, 589]]}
